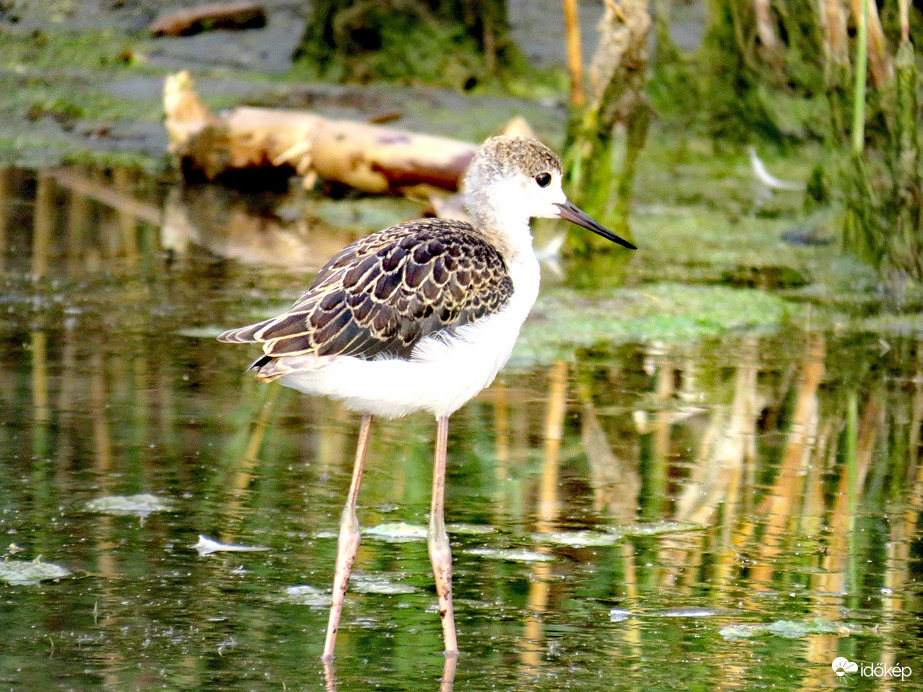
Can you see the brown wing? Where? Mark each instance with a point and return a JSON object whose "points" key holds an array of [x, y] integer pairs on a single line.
{"points": [[386, 292]]}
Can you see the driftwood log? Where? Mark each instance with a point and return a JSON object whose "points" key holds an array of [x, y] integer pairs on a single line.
{"points": [[238, 15], [370, 158]]}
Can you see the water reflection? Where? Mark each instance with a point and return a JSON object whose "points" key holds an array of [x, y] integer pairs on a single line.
{"points": [[796, 454]]}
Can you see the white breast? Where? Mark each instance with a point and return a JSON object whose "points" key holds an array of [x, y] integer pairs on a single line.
{"points": [[442, 374]]}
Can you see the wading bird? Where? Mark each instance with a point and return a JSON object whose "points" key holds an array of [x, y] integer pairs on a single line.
{"points": [[421, 316]]}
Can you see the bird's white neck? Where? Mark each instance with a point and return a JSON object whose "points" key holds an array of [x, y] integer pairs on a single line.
{"points": [[499, 215]]}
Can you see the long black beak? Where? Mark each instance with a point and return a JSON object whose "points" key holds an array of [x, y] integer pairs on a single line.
{"points": [[576, 215]]}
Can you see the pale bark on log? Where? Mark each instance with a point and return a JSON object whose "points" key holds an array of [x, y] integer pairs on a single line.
{"points": [[618, 65], [238, 15], [381, 160], [371, 158]]}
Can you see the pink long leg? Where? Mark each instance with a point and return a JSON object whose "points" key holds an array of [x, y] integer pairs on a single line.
{"points": [[440, 554], [348, 542]]}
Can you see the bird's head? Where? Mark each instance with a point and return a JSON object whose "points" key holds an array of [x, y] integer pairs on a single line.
{"points": [[514, 179]]}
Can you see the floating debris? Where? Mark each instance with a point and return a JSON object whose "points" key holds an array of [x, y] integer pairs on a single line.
{"points": [[611, 536], [130, 505], [306, 595], [510, 554], [206, 546], [653, 528], [402, 532], [30, 572], [687, 613], [469, 529], [577, 539], [379, 584], [397, 532], [789, 629], [618, 614]]}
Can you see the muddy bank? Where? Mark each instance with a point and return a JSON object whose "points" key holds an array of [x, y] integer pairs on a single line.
{"points": [[85, 78]]}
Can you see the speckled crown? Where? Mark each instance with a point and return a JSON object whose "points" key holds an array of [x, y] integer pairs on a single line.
{"points": [[502, 155]]}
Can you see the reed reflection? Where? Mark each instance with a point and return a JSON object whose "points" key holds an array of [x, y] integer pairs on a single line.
{"points": [[546, 514], [82, 217]]}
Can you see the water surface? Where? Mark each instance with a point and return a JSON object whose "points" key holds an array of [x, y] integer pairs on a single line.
{"points": [[734, 512]]}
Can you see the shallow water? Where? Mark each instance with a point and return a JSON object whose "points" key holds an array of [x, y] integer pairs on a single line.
{"points": [[625, 519]]}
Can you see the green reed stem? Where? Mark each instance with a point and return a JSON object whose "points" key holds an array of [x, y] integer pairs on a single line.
{"points": [[858, 121]]}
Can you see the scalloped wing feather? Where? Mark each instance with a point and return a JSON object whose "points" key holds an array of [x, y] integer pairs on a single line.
{"points": [[386, 292]]}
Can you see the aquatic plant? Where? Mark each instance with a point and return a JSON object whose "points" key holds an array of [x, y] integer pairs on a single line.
{"points": [[883, 219], [616, 103], [429, 41]]}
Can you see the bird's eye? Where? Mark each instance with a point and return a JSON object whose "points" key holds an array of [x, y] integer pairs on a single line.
{"points": [[543, 179]]}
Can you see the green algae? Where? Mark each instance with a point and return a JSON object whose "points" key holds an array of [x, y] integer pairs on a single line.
{"points": [[510, 555], [130, 505], [65, 74], [576, 539], [565, 319], [378, 584], [56, 92], [30, 572], [303, 594], [396, 532], [787, 629], [402, 532], [613, 535]]}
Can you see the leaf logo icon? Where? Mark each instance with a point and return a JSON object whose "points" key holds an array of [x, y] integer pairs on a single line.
{"points": [[842, 665]]}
